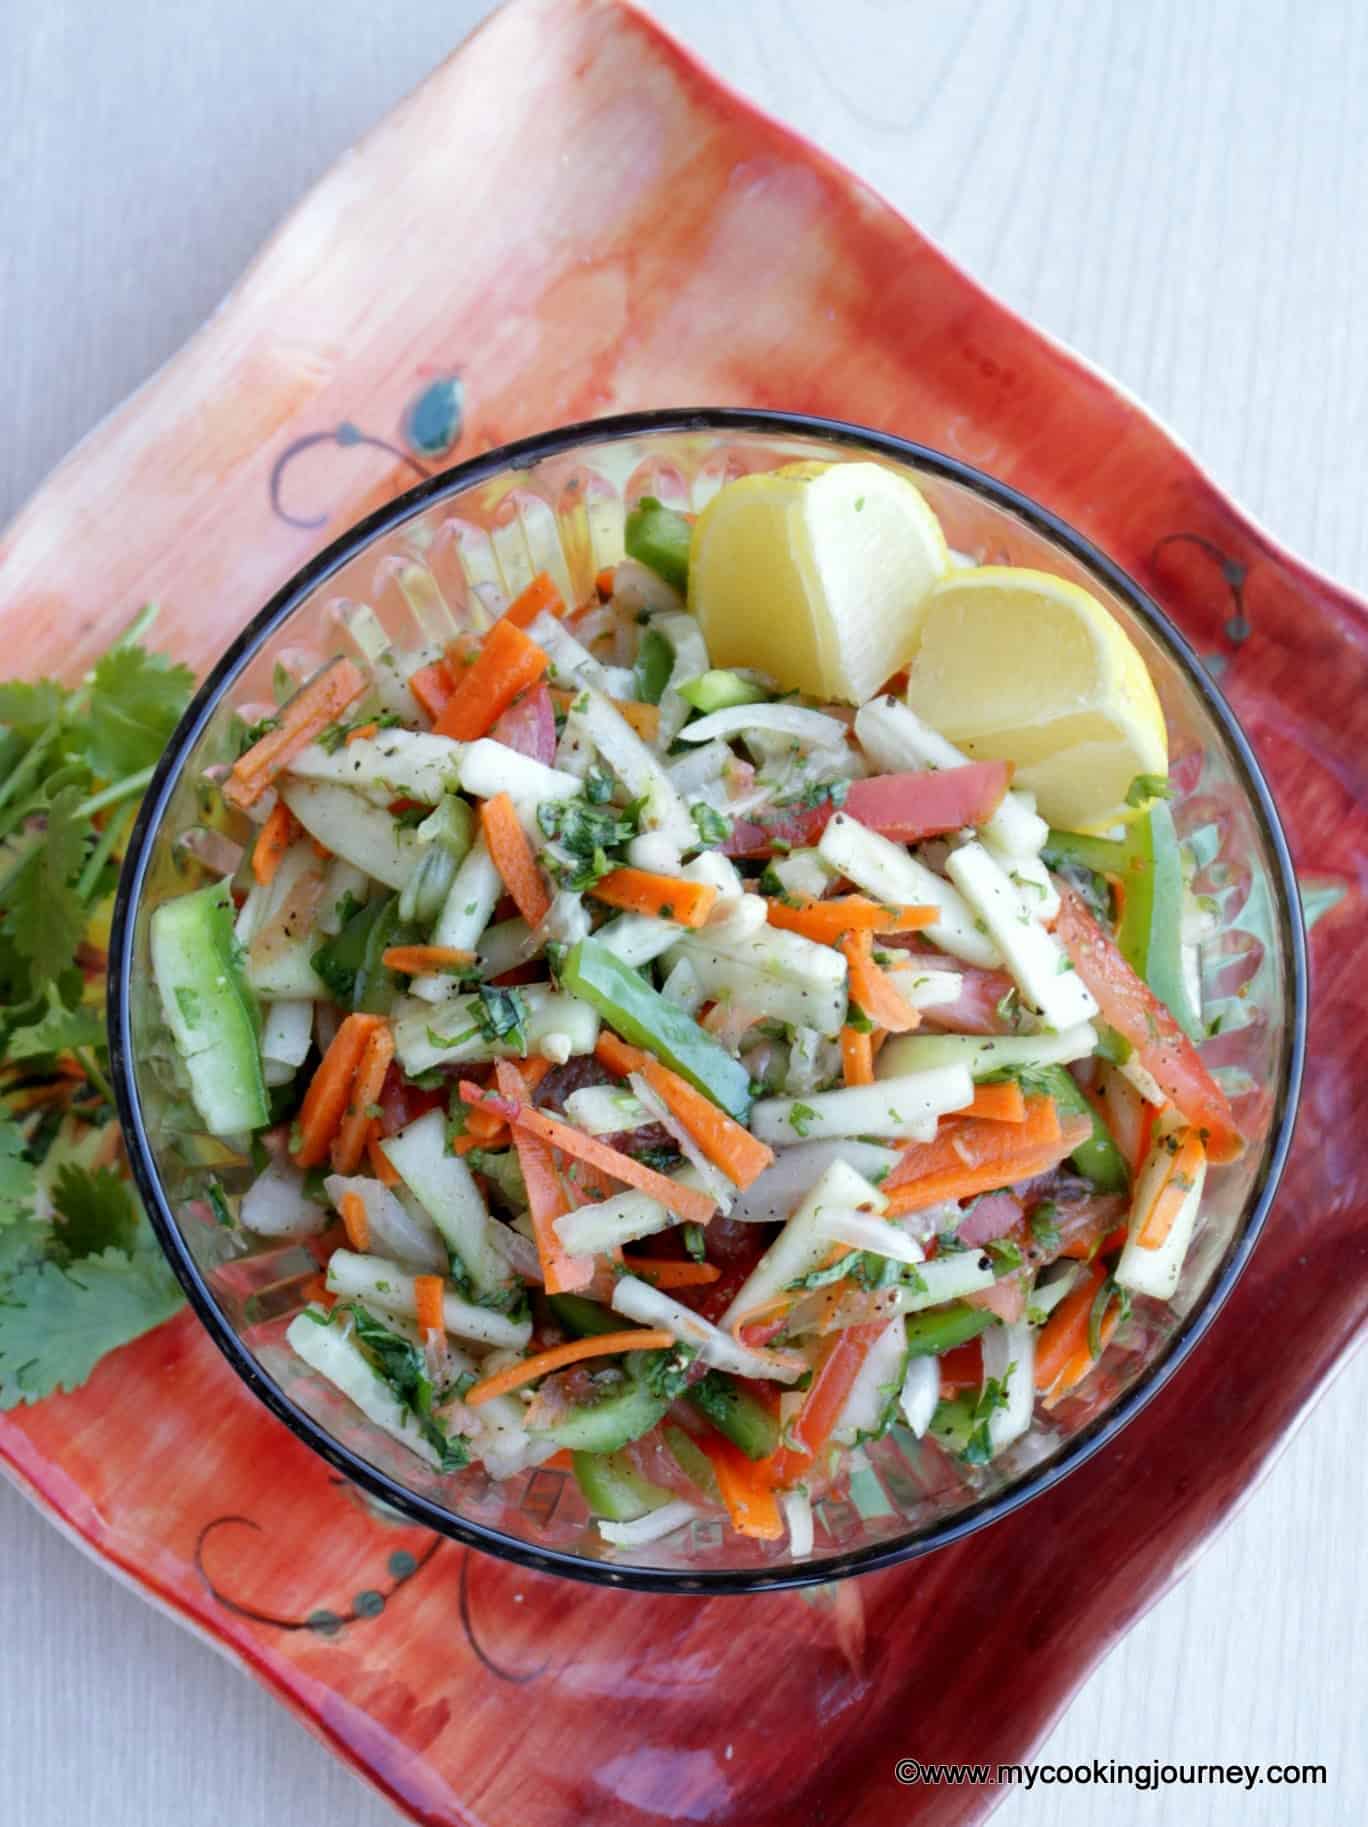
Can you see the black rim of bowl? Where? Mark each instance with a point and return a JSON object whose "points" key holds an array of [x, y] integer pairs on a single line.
{"points": [[523, 454]]}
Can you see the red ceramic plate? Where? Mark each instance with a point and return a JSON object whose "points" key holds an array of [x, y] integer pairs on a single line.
{"points": [[570, 218]]}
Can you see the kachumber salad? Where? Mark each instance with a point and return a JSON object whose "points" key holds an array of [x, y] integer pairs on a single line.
{"points": [[709, 1025]]}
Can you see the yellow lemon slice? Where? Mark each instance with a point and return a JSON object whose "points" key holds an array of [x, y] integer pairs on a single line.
{"points": [[1017, 665], [816, 574]]}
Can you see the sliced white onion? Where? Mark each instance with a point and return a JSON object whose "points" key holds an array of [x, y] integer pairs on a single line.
{"points": [[276, 1205], [920, 1393], [395, 1230], [812, 728], [711, 1179], [874, 1234], [797, 1508], [637, 1300], [1009, 1353], [796, 1171], [650, 1527]]}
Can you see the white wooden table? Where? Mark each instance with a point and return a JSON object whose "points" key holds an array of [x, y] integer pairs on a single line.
{"points": [[1176, 188]]}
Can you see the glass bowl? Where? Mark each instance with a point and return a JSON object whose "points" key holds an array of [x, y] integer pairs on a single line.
{"points": [[448, 555]]}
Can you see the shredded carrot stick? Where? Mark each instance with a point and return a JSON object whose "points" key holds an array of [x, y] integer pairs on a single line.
{"points": [[415, 960], [1067, 1327], [975, 1155], [273, 840], [644, 718], [663, 1273], [354, 1221], [829, 921], [507, 664], [380, 1164], [432, 686], [326, 1098], [720, 1137], [513, 857], [540, 594], [1178, 1181], [603, 583], [484, 1125], [745, 1487], [831, 1383], [1005, 1103], [349, 1142], [871, 989], [428, 1295], [309, 712], [668, 897], [316, 1289], [546, 1199], [1083, 1361], [857, 1056], [574, 1351], [685, 1201], [362, 733]]}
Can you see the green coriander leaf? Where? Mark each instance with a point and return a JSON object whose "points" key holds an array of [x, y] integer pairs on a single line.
{"points": [[61, 1028], [56, 1324], [137, 699], [28, 709], [96, 1211], [46, 915], [16, 1175], [714, 827]]}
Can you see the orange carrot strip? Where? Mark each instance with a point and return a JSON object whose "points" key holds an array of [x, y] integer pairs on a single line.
{"points": [[1182, 1170], [273, 840], [540, 594], [871, 990], [977, 1155], [506, 665], [668, 897], [1005, 1103], [745, 1488], [546, 1199], [310, 711], [1067, 1327], [484, 1125], [326, 1098], [380, 1164], [603, 583], [428, 1294], [414, 960], [826, 1394], [829, 921], [720, 1137], [663, 1273], [514, 859], [432, 686], [685, 1201], [857, 1057], [1083, 1361], [574, 1351], [354, 1221], [362, 733], [349, 1142]]}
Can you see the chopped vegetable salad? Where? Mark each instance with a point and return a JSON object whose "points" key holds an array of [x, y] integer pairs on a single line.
{"points": [[683, 1074]]}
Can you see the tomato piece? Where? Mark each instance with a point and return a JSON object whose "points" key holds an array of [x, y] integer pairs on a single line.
{"points": [[905, 807], [961, 1369], [402, 1103], [831, 1384], [1131, 1007], [529, 725]]}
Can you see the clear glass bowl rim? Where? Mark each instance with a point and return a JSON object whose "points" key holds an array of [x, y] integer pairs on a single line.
{"points": [[525, 453]]}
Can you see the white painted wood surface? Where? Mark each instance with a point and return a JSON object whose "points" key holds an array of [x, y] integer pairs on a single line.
{"points": [[1178, 189]]}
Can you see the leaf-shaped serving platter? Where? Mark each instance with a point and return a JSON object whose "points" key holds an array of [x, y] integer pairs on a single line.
{"points": [[571, 218]]}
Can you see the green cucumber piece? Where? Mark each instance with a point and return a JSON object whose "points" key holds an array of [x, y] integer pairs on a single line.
{"points": [[721, 690], [350, 964], [624, 1411], [1098, 1158], [658, 537], [940, 1329], [614, 1489], [641, 1015], [210, 1009], [654, 664], [582, 1318], [735, 1413], [1150, 935]]}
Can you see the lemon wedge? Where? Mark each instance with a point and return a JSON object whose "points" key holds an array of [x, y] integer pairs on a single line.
{"points": [[816, 574], [1017, 665]]}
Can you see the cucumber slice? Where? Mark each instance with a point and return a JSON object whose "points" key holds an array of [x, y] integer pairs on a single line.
{"points": [[720, 690], [613, 1488], [985, 1054], [658, 537], [624, 1411], [209, 1008], [735, 1413], [582, 1318]]}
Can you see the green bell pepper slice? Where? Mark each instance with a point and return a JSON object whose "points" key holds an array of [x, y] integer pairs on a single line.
{"points": [[659, 537]]}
